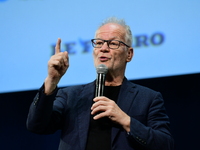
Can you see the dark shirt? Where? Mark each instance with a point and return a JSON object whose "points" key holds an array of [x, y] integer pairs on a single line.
{"points": [[99, 136]]}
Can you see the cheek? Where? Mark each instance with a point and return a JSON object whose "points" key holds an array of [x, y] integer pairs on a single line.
{"points": [[94, 54], [119, 57]]}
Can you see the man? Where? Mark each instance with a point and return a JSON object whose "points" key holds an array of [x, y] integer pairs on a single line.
{"points": [[127, 117]]}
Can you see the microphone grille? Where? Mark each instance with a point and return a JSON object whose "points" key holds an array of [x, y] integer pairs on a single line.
{"points": [[102, 69]]}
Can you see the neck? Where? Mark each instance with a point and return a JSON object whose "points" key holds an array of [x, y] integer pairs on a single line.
{"points": [[114, 80]]}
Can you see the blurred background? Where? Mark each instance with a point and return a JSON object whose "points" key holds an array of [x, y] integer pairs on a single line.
{"points": [[166, 46]]}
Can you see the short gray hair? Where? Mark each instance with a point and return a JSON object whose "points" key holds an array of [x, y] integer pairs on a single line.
{"points": [[128, 35]]}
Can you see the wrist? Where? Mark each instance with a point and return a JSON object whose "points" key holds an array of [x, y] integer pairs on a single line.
{"points": [[126, 123], [50, 85]]}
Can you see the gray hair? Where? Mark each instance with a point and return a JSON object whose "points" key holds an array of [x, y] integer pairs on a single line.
{"points": [[128, 36]]}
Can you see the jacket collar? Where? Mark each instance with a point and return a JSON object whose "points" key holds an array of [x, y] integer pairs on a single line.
{"points": [[125, 100]]}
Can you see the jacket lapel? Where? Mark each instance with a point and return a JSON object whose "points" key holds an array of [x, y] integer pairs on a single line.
{"points": [[125, 99], [84, 111]]}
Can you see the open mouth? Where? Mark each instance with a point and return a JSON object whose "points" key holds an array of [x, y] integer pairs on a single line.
{"points": [[103, 58]]}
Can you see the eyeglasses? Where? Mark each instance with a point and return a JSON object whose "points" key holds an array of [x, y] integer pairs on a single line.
{"points": [[113, 44]]}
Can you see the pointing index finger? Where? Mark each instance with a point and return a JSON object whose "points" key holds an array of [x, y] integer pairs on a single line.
{"points": [[57, 48]]}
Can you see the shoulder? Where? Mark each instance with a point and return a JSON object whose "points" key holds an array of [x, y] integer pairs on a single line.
{"points": [[143, 91], [76, 88], [140, 88], [70, 95]]}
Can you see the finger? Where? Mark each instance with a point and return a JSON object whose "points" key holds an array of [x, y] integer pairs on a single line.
{"points": [[99, 103], [66, 58], [98, 109], [59, 60], [103, 98], [57, 48], [55, 63], [100, 115]]}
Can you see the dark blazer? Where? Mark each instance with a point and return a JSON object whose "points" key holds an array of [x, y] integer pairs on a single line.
{"points": [[69, 110]]}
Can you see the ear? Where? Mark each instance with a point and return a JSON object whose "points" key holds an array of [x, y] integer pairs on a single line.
{"points": [[130, 53]]}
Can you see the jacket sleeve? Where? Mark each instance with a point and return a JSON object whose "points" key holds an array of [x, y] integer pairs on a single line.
{"points": [[154, 133], [42, 118]]}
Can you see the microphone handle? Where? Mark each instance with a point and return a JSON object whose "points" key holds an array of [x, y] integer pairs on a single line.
{"points": [[100, 82]]}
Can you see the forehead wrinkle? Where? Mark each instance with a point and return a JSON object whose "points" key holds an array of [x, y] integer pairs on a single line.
{"points": [[113, 38], [111, 35], [112, 28]]}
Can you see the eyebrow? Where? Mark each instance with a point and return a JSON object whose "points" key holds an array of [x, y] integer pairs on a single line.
{"points": [[113, 38]]}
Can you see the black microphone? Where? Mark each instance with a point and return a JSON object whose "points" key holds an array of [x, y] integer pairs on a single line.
{"points": [[100, 82]]}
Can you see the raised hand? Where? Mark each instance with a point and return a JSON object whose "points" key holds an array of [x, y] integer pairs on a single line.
{"points": [[57, 66]]}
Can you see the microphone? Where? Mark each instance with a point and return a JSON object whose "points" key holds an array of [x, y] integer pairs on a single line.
{"points": [[100, 82]]}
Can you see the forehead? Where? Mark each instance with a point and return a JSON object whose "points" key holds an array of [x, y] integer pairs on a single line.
{"points": [[111, 31]]}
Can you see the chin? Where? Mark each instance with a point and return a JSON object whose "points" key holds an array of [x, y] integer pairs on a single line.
{"points": [[96, 64]]}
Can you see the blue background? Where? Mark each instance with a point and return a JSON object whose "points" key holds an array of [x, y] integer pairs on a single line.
{"points": [[29, 30]]}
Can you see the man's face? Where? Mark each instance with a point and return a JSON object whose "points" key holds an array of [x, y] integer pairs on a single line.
{"points": [[114, 59]]}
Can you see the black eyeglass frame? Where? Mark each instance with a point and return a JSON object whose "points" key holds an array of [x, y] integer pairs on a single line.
{"points": [[108, 41]]}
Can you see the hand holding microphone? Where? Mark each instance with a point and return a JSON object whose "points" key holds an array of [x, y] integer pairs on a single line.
{"points": [[105, 107]]}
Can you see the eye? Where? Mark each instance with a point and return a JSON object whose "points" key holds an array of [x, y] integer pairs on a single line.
{"points": [[98, 42], [114, 43]]}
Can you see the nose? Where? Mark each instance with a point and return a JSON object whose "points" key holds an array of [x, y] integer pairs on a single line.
{"points": [[104, 47]]}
